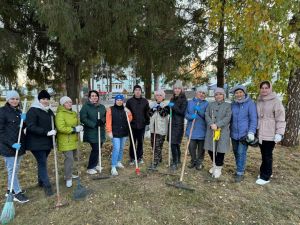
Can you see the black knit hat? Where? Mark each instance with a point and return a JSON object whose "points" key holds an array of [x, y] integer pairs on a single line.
{"points": [[137, 86], [44, 94]]}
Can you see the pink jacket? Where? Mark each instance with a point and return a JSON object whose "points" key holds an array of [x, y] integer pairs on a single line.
{"points": [[271, 117]]}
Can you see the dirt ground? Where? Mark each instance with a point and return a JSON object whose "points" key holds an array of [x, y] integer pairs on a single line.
{"points": [[146, 199]]}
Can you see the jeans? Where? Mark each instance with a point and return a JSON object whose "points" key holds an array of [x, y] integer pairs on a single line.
{"points": [[138, 138], [9, 163], [41, 158], [94, 156], [176, 153], [118, 147], [68, 163], [219, 158], [266, 149], [240, 154], [196, 149]]}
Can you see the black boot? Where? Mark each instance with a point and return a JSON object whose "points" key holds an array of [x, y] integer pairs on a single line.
{"points": [[48, 190]]}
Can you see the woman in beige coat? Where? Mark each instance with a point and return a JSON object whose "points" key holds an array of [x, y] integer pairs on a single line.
{"points": [[271, 127]]}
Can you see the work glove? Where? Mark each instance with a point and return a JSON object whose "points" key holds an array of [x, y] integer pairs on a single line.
{"points": [[277, 138], [250, 136], [147, 128], [171, 104], [16, 146], [23, 116], [126, 110], [99, 123], [193, 116], [197, 108], [51, 133], [78, 128], [110, 135]]}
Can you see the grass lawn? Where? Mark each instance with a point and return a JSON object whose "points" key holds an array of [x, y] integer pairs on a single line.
{"points": [[145, 199]]}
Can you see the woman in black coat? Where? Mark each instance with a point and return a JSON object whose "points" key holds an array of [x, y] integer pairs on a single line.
{"points": [[39, 137], [178, 103], [10, 117]]}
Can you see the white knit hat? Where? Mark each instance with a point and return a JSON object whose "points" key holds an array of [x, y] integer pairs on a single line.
{"points": [[178, 84], [202, 89], [12, 94], [64, 99], [160, 92]]}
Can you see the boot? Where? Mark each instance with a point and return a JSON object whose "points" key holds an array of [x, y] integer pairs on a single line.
{"points": [[48, 191], [218, 171]]}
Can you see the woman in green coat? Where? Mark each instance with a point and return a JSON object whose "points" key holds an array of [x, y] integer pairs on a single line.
{"points": [[66, 122], [90, 121]]}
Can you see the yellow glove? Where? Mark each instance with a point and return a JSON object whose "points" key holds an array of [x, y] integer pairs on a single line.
{"points": [[217, 134]]}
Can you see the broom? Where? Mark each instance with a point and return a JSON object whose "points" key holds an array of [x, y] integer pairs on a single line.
{"points": [[8, 211]]}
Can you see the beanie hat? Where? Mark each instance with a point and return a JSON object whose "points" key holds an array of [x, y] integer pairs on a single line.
{"points": [[160, 92], [64, 99], [43, 94], [12, 94], [137, 86], [238, 87], [202, 89], [178, 84], [219, 90], [119, 97]]}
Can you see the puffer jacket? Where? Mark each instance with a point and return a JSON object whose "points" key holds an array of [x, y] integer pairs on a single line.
{"points": [[243, 118], [38, 125], [199, 130], [159, 118], [271, 117], [9, 130], [65, 121]]}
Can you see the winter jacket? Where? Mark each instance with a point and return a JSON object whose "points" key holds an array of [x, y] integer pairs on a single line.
{"points": [[271, 117], [243, 118], [139, 107], [178, 113], [199, 130], [222, 115], [9, 131], [38, 125], [88, 117], [65, 121], [116, 121], [159, 118]]}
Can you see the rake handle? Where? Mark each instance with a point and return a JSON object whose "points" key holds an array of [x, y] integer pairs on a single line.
{"points": [[170, 136]]}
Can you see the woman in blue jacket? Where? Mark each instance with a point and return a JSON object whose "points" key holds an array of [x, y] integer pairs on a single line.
{"points": [[196, 111], [243, 125]]}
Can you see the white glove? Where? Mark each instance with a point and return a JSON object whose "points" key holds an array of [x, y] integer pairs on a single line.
{"points": [[110, 135], [51, 133], [78, 128], [277, 138], [250, 136], [126, 110]]}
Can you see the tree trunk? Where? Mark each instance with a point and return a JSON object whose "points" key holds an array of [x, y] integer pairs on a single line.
{"points": [[110, 79], [291, 137], [72, 78], [147, 78], [156, 82], [221, 50]]}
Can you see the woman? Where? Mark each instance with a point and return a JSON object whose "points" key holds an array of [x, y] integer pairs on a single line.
{"points": [[90, 121], [217, 116], [178, 104], [243, 126], [117, 129], [271, 128], [158, 125], [66, 122], [10, 117], [196, 111], [39, 134]]}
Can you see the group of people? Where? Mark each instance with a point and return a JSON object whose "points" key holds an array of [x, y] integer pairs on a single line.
{"points": [[241, 122]]}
